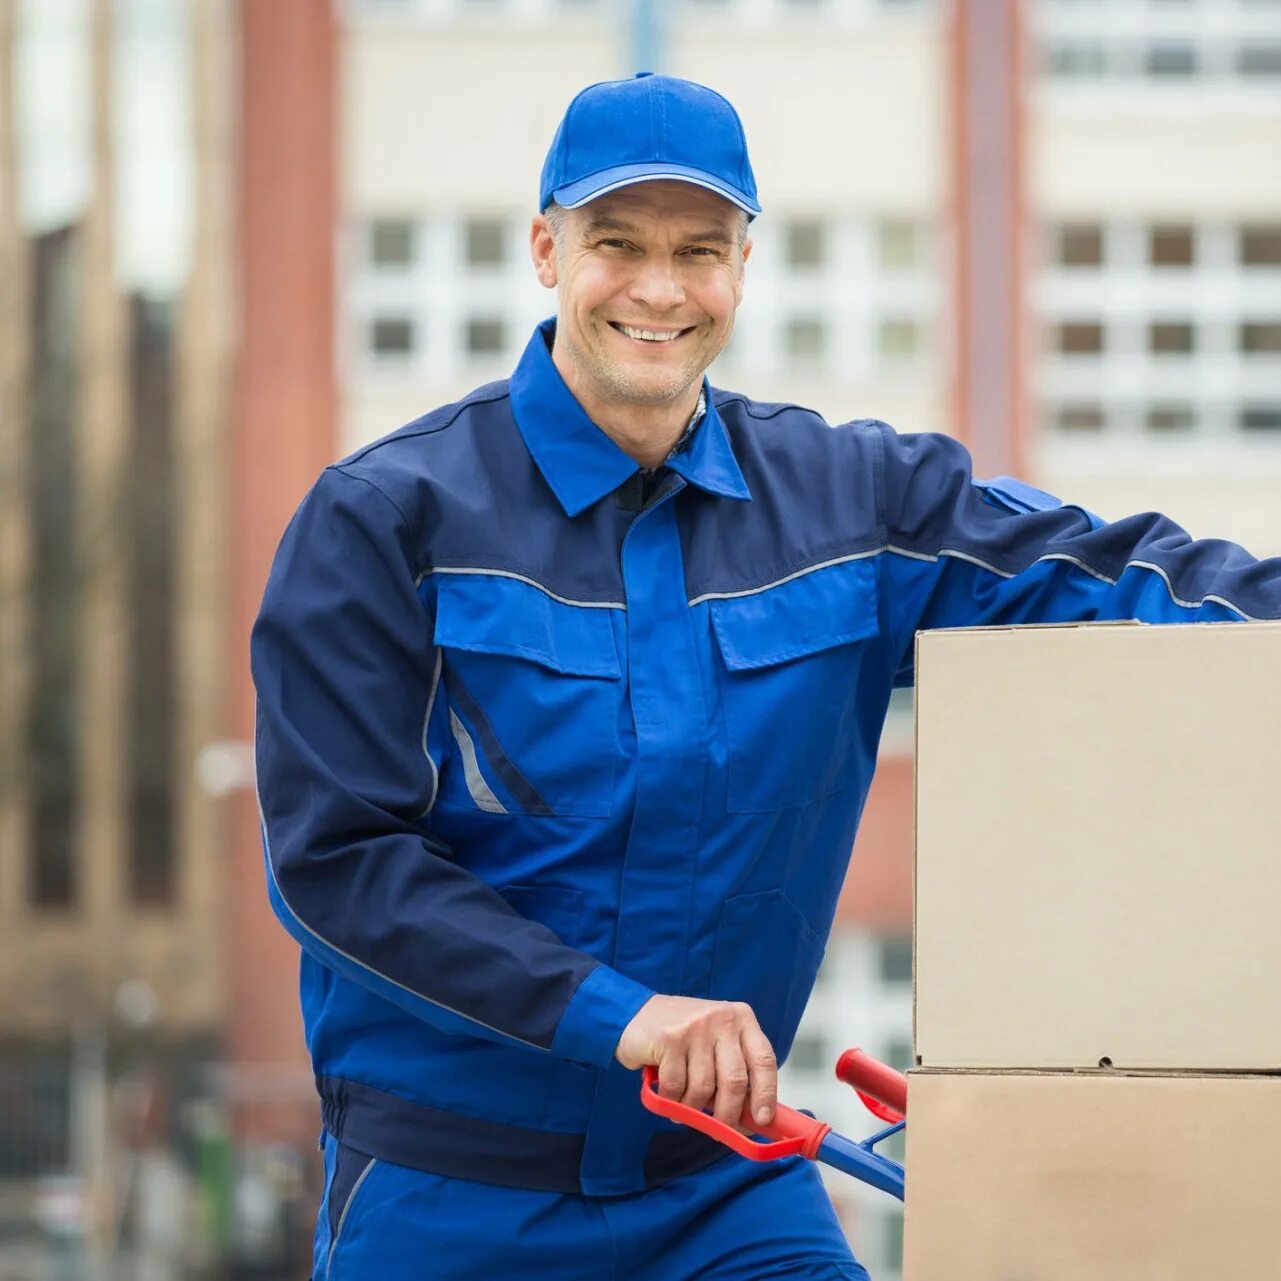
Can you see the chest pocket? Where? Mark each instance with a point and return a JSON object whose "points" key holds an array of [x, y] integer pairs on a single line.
{"points": [[533, 688], [790, 662]]}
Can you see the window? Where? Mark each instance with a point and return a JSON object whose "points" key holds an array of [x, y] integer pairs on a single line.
{"points": [[898, 245], [1259, 59], [485, 242], [1261, 337], [895, 958], [1079, 338], [898, 339], [1079, 417], [1170, 58], [1171, 246], [809, 1053], [36, 1111], [391, 242], [1079, 245], [1262, 417], [1171, 418], [1259, 245], [1170, 337], [58, 626], [805, 243], [1085, 58], [392, 336], [150, 576], [805, 338], [485, 336]]}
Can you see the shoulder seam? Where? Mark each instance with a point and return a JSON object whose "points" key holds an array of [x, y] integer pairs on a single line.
{"points": [[343, 470], [749, 406], [465, 403]]}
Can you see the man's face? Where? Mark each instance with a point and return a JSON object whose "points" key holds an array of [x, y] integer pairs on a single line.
{"points": [[649, 278]]}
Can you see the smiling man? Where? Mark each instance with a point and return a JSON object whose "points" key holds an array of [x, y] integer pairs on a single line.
{"points": [[569, 701], [649, 277]]}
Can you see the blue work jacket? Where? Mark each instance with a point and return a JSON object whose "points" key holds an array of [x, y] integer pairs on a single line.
{"points": [[534, 743]]}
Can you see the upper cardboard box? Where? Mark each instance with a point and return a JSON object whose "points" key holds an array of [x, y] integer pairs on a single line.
{"points": [[1098, 847]]}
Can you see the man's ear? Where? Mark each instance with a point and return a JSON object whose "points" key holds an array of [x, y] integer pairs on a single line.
{"points": [[738, 284], [542, 249]]}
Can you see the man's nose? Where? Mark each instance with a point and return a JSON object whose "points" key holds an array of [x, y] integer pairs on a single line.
{"points": [[658, 285]]}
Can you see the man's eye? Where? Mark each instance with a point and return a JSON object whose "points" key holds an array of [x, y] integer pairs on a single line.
{"points": [[704, 251], [613, 243]]}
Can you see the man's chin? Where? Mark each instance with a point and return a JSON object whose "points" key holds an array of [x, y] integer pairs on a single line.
{"points": [[648, 395], [651, 386]]}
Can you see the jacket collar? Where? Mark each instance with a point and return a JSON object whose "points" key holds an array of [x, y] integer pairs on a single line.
{"points": [[579, 461]]}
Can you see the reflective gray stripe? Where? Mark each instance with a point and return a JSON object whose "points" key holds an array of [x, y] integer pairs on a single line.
{"points": [[956, 554], [431, 703], [476, 785], [525, 794], [1089, 569], [520, 578], [347, 956], [342, 1218], [778, 582]]}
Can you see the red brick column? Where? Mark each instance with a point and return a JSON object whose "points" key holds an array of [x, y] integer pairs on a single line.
{"points": [[283, 434]]}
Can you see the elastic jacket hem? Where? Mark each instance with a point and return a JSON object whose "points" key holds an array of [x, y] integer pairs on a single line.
{"points": [[394, 1129]]}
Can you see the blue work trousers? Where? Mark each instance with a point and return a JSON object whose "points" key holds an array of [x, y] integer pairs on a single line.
{"points": [[733, 1221]]}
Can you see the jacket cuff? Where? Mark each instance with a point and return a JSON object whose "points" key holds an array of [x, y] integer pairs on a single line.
{"points": [[605, 1003]]}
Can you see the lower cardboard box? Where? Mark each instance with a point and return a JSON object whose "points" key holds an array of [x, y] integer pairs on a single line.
{"points": [[1064, 1176]]}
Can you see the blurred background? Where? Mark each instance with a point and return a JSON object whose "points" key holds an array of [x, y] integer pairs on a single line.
{"points": [[238, 239]]}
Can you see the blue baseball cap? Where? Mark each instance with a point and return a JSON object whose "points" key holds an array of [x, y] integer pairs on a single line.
{"points": [[621, 132]]}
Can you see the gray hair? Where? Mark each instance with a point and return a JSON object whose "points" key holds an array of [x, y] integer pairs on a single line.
{"points": [[555, 216]]}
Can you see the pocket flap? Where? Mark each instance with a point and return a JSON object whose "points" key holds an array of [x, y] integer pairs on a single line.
{"points": [[1016, 495], [493, 614], [814, 611]]}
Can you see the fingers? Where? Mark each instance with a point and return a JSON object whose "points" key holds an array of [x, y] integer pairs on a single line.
{"points": [[731, 1081], [709, 1054], [762, 1068], [701, 1085], [672, 1074]]}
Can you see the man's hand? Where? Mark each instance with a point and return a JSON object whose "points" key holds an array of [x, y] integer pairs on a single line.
{"points": [[708, 1054]]}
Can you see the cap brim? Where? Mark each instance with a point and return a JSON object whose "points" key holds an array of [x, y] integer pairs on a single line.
{"points": [[574, 194]]}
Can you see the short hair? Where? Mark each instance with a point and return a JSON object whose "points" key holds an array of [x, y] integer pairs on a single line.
{"points": [[555, 215]]}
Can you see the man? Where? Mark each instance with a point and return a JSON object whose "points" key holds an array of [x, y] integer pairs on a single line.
{"points": [[569, 699]]}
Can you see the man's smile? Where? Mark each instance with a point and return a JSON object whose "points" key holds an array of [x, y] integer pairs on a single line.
{"points": [[651, 337]]}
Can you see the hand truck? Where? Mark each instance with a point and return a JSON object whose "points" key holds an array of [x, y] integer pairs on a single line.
{"points": [[792, 1133]]}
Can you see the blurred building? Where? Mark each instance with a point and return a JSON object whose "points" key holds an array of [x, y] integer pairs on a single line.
{"points": [[116, 176], [1154, 168], [122, 402]]}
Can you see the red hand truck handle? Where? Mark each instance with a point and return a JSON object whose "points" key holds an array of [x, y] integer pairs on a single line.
{"points": [[794, 1133], [882, 1089]]}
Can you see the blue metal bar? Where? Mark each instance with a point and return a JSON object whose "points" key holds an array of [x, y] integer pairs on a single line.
{"points": [[647, 35], [854, 1158]]}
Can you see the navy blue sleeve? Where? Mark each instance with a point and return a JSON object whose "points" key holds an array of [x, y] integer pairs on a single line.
{"points": [[967, 553], [346, 672]]}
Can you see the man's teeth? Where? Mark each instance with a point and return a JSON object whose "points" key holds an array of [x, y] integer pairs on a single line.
{"points": [[650, 335]]}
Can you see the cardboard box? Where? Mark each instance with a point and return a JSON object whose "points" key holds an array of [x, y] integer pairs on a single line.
{"points": [[1098, 847], [1060, 1177]]}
